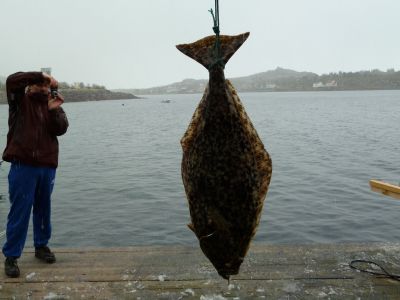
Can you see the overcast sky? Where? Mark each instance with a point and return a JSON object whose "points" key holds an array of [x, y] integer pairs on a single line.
{"points": [[131, 43]]}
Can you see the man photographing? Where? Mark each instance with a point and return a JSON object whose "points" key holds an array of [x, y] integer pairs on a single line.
{"points": [[35, 120]]}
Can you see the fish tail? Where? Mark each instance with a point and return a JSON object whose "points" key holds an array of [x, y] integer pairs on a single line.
{"points": [[203, 51]]}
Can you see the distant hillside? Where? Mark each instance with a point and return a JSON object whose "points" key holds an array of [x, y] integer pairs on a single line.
{"points": [[72, 95], [187, 86], [80, 92], [278, 79], [288, 80], [257, 82]]}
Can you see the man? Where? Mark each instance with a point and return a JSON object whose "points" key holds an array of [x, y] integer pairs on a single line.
{"points": [[35, 120]]}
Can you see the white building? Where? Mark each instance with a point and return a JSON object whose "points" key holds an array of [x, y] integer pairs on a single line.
{"points": [[329, 84]]}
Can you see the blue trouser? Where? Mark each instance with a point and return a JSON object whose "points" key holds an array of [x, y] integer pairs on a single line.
{"points": [[28, 187]]}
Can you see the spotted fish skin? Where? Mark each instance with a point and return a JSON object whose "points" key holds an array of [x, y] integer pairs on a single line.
{"points": [[225, 169]]}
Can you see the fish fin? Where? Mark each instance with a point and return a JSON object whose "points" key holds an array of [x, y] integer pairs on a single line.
{"points": [[202, 50], [191, 227]]}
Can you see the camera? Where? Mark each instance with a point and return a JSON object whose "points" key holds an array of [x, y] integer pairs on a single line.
{"points": [[54, 92]]}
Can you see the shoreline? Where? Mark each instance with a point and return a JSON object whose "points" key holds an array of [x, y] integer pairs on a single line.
{"points": [[85, 95], [142, 96], [127, 96]]}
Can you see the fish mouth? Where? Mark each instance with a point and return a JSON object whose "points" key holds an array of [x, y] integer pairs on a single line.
{"points": [[230, 269], [227, 273], [222, 253]]}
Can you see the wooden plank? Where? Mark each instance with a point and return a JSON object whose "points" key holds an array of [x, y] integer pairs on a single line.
{"points": [[215, 290], [384, 188], [269, 271]]}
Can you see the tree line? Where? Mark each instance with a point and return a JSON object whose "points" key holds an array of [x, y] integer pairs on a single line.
{"points": [[365, 80], [79, 85], [362, 80], [79, 92], [70, 86]]}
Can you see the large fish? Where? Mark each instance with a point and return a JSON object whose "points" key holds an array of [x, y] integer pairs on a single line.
{"points": [[225, 168]]}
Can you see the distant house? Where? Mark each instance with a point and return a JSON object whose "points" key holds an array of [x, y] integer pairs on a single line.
{"points": [[329, 84], [270, 86], [77, 85]]}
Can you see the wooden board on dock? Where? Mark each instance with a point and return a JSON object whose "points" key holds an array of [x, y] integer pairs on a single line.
{"points": [[166, 272], [385, 188]]}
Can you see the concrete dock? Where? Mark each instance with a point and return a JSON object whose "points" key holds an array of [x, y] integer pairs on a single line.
{"points": [[165, 272]]}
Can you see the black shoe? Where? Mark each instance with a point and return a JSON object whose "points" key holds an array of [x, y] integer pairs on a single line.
{"points": [[44, 253], [11, 267]]}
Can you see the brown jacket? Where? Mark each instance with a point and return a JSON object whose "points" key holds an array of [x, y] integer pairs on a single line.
{"points": [[33, 129]]}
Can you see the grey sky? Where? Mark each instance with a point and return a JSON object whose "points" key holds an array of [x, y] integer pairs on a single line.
{"points": [[131, 43]]}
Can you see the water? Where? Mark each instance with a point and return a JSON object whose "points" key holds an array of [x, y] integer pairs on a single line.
{"points": [[119, 181]]}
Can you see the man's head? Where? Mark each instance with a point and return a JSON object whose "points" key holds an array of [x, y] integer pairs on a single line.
{"points": [[49, 84], [46, 91]]}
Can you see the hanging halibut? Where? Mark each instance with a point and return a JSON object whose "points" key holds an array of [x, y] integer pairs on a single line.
{"points": [[225, 168]]}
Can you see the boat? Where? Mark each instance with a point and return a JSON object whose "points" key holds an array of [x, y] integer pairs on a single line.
{"points": [[385, 188], [166, 101]]}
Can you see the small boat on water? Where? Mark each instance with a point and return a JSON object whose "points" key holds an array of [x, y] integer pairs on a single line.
{"points": [[385, 188], [166, 101]]}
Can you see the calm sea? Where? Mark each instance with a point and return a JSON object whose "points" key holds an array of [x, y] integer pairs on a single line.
{"points": [[119, 181]]}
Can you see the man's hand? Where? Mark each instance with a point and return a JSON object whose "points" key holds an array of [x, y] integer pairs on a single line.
{"points": [[50, 80], [55, 102]]}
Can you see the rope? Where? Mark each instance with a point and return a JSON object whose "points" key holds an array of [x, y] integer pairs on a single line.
{"points": [[217, 46], [215, 17], [384, 273]]}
